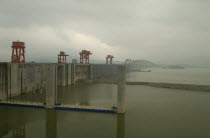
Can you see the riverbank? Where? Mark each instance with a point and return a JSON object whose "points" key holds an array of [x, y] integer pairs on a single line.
{"points": [[173, 86], [195, 76]]}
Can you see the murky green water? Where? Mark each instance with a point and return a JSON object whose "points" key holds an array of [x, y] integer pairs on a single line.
{"points": [[151, 112], [199, 76]]}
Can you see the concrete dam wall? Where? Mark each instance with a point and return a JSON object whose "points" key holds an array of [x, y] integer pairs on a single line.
{"points": [[3, 81], [19, 78]]}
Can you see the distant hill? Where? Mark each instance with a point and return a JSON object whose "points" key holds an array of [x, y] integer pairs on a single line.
{"points": [[140, 65], [144, 64], [195, 61]]}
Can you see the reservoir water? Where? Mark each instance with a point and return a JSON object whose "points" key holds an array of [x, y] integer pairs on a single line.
{"points": [[199, 76], [150, 112]]}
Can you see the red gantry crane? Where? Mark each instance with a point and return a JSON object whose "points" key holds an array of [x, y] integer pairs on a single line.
{"points": [[62, 57], [84, 56], [109, 59], [18, 52]]}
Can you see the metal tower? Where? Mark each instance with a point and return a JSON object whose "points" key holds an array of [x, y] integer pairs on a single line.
{"points": [[128, 61], [109, 59], [84, 56], [18, 52], [62, 57]]}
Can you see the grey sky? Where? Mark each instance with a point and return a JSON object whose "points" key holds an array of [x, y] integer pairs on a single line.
{"points": [[163, 31]]}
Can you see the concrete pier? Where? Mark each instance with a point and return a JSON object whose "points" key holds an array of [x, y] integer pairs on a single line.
{"points": [[121, 90], [51, 85], [68, 74], [121, 126], [61, 74], [64, 74], [51, 124], [3, 81]]}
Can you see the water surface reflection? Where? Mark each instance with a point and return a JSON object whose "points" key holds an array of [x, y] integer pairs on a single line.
{"points": [[150, 112], [60, 124]]}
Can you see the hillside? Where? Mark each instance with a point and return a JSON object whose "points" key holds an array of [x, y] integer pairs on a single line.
{"points": [[144, 64]]}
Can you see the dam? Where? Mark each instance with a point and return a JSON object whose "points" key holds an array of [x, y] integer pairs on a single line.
{"points": [[99, 88], [22, 78]]}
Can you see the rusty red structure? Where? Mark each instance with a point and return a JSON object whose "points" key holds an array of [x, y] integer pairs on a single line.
{"points": [[84, 56], [62, 57], [18, 52], [128, 61], [109, 59]]}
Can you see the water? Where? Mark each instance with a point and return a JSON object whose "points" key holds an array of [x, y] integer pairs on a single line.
{"points": [[200, 76], [150, 112]]}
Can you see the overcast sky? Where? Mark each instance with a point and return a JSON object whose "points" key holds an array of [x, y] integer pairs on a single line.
{"points": [[162, 31]]}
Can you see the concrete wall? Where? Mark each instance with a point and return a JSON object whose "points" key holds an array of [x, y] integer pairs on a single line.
{"points": [[64, 74], [3, 81], [68, 74], [81, 72], [105, 73], [31, 77], [61, 74], [93, 73], [18, 78]]}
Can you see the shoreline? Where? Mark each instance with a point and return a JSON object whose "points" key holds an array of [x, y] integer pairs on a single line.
{"points": [[192, 87]]}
